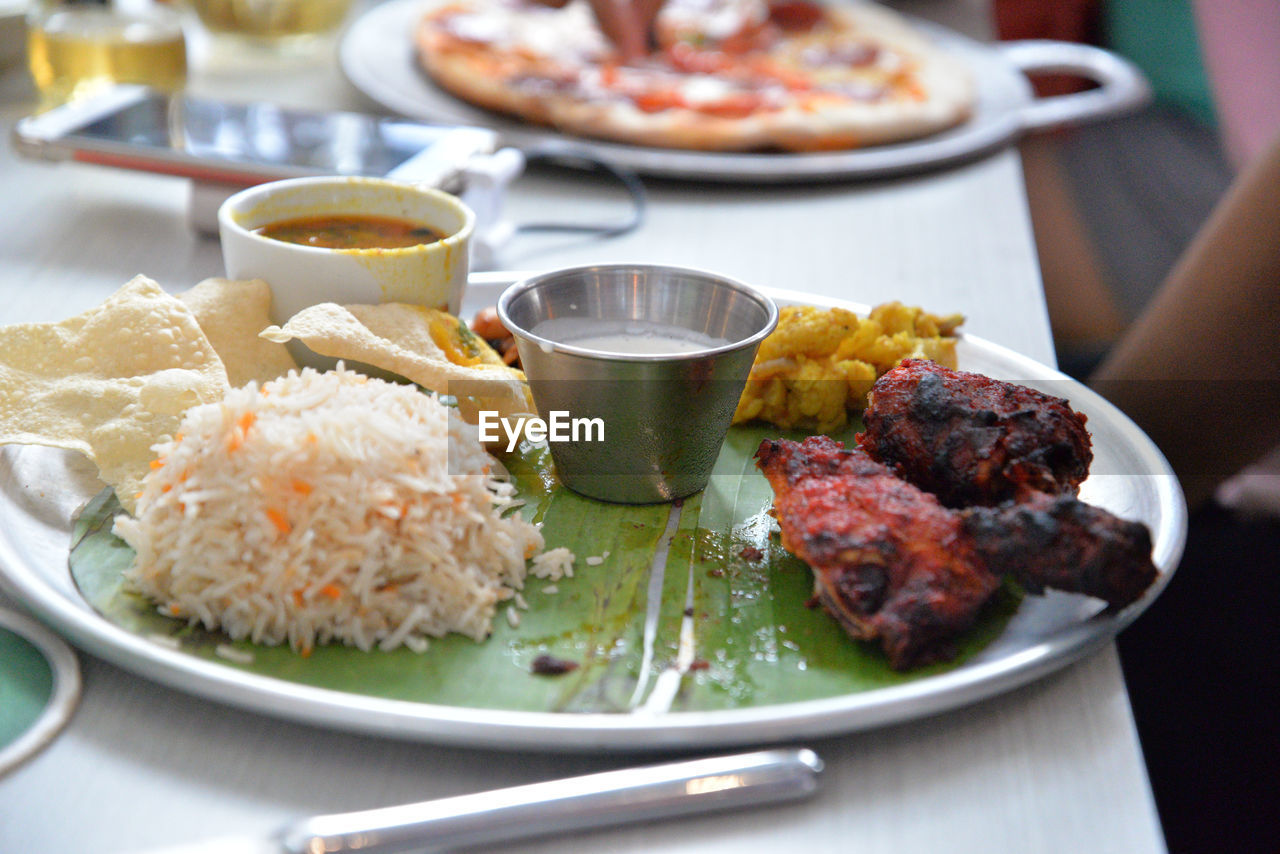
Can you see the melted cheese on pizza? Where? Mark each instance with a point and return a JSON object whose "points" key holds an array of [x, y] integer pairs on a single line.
{"points": [[714, 20]]}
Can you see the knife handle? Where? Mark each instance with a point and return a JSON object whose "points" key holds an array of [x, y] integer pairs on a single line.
{"points": [[558, 806]]}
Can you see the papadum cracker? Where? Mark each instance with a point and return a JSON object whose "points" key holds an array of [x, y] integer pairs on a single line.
{"points": [[110, 382], [398, 338], [231, 314]]}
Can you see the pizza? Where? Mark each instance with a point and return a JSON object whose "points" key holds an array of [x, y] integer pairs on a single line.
{"points": [[721, 75]]}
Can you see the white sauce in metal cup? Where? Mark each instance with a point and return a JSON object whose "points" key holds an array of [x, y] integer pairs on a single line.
{"points": [[632, 337]]}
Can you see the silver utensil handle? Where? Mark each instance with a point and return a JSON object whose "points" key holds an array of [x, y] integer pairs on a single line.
{"points": [[594, 800]]}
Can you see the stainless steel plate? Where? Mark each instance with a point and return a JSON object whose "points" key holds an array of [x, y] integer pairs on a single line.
{"points": [[377, 55], [40, 490]]}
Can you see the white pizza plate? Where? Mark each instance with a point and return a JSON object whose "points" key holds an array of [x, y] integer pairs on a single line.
{"points": [[40, 490], [377, 55]]}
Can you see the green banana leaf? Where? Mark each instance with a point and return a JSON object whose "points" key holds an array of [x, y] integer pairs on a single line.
{"points": [[695, 606]]}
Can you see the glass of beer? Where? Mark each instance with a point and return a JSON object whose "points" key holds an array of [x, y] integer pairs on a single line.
{"points": [[271, 21], [78, 47]]}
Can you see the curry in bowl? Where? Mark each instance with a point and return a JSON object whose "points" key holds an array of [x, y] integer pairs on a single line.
{"points": [[351, 231]]}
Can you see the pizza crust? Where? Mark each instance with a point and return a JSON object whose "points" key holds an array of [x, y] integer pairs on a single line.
{"points": [[933, 91]]}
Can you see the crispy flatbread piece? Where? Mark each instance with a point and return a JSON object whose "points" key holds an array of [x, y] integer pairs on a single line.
{"points": [[398, 338], [231, 314], [110, 382]]}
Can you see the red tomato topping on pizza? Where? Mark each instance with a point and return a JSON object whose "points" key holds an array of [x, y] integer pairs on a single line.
{"points": [[685, 57], [657, 100], [751, 37], [735, 105], [793, 15]]}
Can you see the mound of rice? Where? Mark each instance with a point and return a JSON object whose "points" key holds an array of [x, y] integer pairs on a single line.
{"points": [[327, 507]]}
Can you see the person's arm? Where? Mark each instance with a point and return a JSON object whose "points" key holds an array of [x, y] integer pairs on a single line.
{"points": [[626, 23], [1200, 369]]}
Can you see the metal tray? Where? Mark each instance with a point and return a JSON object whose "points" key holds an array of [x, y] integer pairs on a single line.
{"points": [[41, 489]]}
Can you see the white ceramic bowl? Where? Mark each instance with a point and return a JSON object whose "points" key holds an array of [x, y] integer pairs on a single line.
{"points": [[431, 274]]}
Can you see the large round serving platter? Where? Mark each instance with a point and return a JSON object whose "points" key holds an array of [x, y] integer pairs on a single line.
{"points": [[42, 489], [377, 55]]}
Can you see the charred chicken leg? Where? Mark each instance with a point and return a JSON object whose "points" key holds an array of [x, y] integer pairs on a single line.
{"points": [[970, 439], [889, 561], [1061, 542]]}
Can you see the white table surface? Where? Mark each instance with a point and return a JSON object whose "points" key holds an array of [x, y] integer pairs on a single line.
{"points": [[1052, 767]]}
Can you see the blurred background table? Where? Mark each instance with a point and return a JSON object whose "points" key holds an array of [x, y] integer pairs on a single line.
{"points": [[1052, 767]]}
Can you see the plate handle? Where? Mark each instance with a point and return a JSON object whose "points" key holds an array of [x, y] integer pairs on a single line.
{"points": [[1122, 86]]}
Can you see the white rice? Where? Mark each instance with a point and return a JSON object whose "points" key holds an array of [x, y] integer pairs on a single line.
{"points": [[328, 507], [230, 653], [553, 564]]}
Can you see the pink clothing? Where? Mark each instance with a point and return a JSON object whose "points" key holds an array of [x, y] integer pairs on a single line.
{"points": [[1240, 43]]}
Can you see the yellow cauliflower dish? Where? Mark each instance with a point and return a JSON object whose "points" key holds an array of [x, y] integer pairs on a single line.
{"points": [[819, 364]]}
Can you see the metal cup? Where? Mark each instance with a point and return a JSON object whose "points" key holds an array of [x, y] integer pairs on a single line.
{"points": [[663, 415]]}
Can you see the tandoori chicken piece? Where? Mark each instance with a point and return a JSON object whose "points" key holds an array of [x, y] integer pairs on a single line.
{"points": [[889, 561], [970, 439], [1061, 542]]}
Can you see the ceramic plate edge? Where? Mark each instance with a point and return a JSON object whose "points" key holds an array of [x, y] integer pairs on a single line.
{"points": [[64, 695]]}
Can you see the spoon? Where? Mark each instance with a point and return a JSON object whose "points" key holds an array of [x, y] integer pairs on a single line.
{"points": [[541, 809]]}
